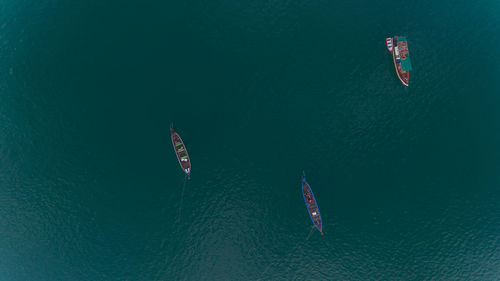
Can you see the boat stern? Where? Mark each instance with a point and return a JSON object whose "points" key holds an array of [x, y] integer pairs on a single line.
{"points": [[389, 44]]}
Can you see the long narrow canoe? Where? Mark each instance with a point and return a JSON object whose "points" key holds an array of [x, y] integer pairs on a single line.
{"points": [[312, 206], [181, 152]]}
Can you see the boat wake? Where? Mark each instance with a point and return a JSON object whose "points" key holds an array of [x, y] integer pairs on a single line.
{"points": [[182, 196], [310, 232]]}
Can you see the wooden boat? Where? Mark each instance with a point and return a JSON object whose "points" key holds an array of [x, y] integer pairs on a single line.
{"points": [[401, 58], [312, 207], [181, 152]]}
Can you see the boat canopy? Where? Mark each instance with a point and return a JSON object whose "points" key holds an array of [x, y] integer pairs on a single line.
{"points": [[406, 63], [401, 38]]}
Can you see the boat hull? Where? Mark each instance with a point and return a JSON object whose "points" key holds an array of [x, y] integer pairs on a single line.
{"points": [[404, 76], [181, 152], [312, 206]]}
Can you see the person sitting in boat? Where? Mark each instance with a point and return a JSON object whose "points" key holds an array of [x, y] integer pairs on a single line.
{"points": [[309, 199]]}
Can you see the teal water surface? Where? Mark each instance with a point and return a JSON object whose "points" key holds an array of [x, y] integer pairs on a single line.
{"points": [[406, 178]]}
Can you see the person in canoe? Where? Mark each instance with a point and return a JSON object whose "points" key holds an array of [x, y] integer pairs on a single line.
{"points": [[311, 205], [181, 152]]}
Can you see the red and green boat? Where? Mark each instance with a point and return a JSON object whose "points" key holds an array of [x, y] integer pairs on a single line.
{"points": [[398, 46]]}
